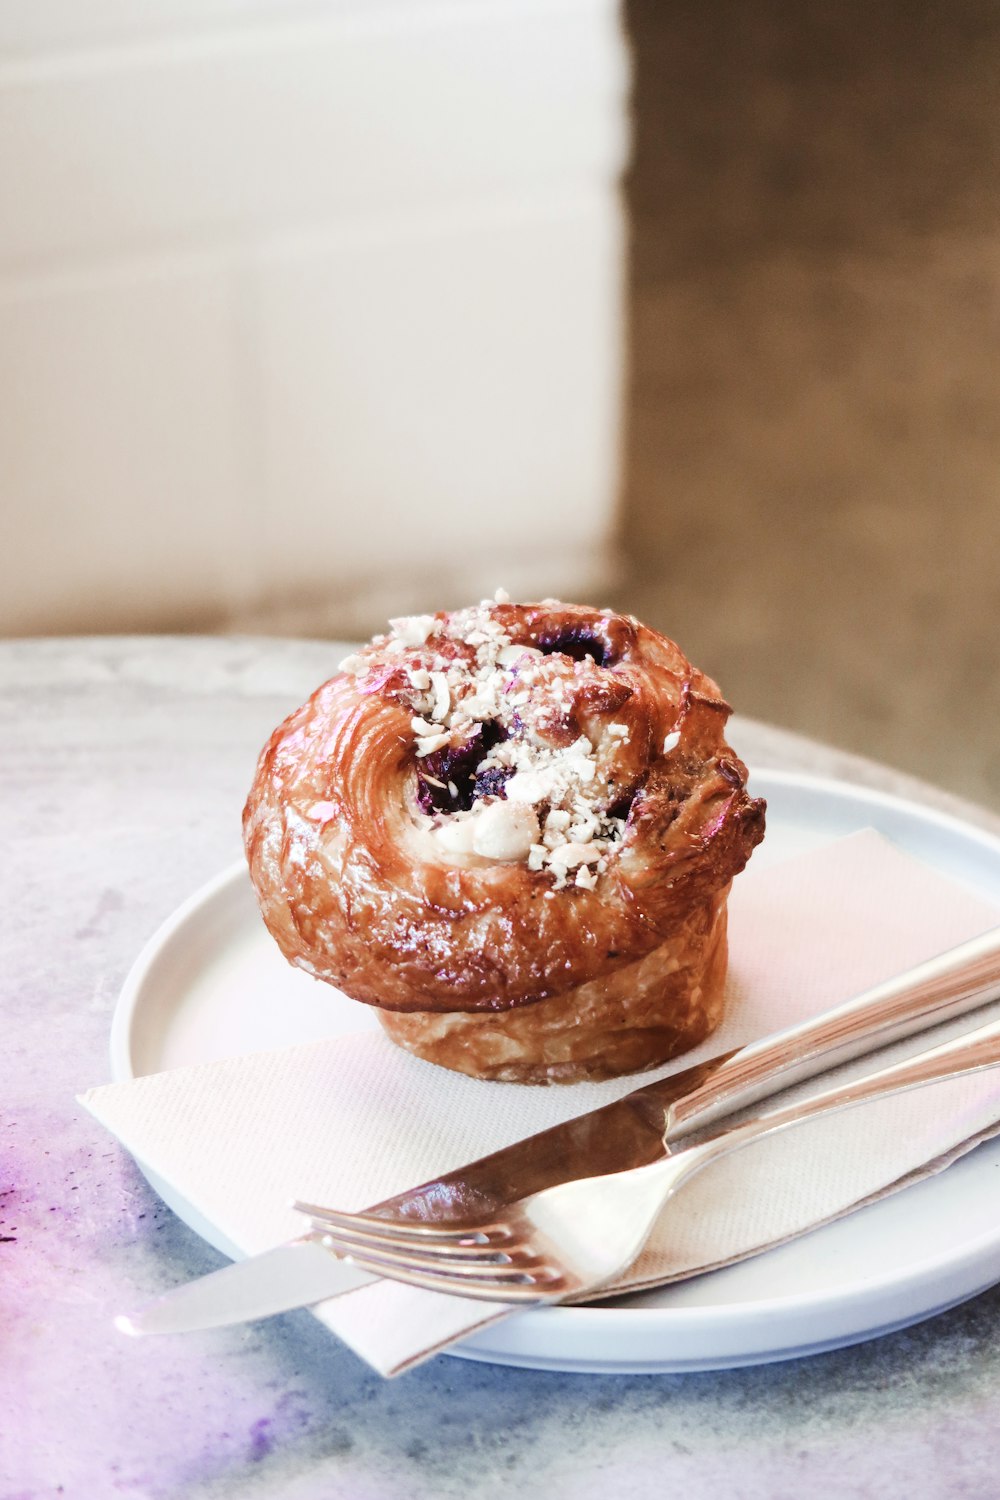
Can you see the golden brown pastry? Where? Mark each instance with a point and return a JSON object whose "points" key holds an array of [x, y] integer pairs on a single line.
{"points": [[512, 829]]}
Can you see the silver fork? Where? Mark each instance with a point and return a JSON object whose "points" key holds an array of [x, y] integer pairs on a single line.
{"points": [[572, 1239]]}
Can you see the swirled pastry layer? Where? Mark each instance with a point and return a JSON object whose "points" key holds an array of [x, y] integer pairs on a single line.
{"points": [[500, 807]]}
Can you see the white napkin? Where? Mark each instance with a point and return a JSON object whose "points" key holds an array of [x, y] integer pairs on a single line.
{"points": [[353, 1120]]}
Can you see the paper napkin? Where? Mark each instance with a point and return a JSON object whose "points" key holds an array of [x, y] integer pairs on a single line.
{"points": [[353, 1120]]}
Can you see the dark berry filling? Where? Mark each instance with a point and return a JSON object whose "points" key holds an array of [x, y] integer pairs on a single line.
{"points": [[623, 803], [491, 783], [455, 766], [578, 642]]}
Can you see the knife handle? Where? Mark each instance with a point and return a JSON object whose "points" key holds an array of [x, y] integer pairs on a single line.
{"points": [[937, 990]]}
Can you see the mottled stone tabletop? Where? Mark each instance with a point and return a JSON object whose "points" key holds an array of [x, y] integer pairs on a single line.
{"points": [[124, 766]]}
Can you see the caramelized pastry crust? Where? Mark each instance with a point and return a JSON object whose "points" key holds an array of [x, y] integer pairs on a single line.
{"points": [[512, 829]]}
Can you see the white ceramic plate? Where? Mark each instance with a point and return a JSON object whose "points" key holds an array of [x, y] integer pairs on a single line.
{"points": [[206, 986]]}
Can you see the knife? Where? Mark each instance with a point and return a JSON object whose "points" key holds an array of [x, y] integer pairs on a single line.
{"points": [[632, 1131]]}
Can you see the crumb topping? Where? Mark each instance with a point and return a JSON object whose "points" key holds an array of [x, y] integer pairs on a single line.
{"points": [[532, 800]]}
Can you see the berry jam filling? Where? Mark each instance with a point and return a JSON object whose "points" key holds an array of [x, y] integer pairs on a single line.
{"points": [[454, 766], [491, 783], [578, 642], [624, 802]]}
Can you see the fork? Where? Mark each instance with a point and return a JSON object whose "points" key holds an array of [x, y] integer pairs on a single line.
{"points": [[572, 1239]]}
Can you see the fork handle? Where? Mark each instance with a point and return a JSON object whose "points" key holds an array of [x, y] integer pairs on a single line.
{"points": [[938, 990], [972, 1053]]}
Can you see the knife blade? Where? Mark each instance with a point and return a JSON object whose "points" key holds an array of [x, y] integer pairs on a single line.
{"points": [[630, 1132], [296, 1274]]}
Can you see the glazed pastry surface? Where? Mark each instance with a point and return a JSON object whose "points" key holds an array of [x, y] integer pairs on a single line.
{"points": [[511, 828]]}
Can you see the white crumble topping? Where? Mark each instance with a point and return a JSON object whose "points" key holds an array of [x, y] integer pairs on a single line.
{"points": [[442, 697], [507, 655], [671, 742], [431, 743], [546, 809], [529, 786], [504, 830], [456, 833], [492, 828], [354, 664], [536, 856], [412, 630], [567, 856]]}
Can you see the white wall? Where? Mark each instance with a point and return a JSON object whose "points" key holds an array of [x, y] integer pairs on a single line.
{"points": [[306, 310]]}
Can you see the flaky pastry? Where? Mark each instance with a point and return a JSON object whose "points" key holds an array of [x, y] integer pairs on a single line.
{"points": [[512, 829]]}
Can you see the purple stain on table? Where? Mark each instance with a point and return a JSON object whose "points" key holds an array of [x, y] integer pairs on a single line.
{"points": [[261, 1440], [8, 1214], [290, 1418], [14, 1199], [109, 903]]}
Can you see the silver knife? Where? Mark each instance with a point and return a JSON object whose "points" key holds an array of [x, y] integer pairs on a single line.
{"points": [[628, 1133]]}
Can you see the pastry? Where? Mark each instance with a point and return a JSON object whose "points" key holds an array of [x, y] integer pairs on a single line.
{"points": [[512, 829]]}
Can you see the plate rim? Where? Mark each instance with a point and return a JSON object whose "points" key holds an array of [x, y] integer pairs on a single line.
{"points": [[576, 1322]]}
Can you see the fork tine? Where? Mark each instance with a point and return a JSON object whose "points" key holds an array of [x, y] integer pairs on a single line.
{"points": [[440, 1252], [453, 1283], [453, 1272], [407, 1229], [518, 1265]]}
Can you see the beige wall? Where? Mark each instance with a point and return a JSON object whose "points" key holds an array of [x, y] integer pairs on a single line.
{"points": [[306, 311]]}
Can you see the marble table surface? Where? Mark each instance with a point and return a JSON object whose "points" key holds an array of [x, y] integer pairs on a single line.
{"points": [[124, 765]]}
